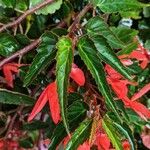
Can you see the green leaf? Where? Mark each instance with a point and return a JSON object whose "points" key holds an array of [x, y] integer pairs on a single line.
{"points": [[126, 131], [79, 135], [59, 31], [111, 132], [7, 3], [49, 9], [35, 125], [131, 14], [88, 54], [97, 25], [127, 50], [109, 56], [126, 35], [46, 54], [8, 44], [66, 8], [112, 6], [63, 68], [76, 113], [21, 5], [22, 39], [26, 142], [9, 97], [72, 97]]}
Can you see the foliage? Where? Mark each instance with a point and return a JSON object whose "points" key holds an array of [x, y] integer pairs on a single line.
{"points": [[89, 59]]}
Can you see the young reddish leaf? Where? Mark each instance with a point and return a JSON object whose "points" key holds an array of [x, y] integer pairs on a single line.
{"points": [[77, 75], [39, 104], [8, 70], [84, 146], [54, 102], [102, 141], [140, 93]]}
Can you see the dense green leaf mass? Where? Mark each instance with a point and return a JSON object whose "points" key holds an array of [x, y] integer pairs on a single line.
{"points": [[88, 53], [109, 56], [112, 134], [46, 54], [79, 135], [112, 6], [8, 44], [97, 25], [50, 9], [76, 113]]}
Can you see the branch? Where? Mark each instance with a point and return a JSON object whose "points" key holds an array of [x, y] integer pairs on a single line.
{"points": [[79, 16], [20, 52], [26, 13]]}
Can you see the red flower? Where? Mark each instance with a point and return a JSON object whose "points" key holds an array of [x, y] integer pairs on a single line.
{"points": [[126, 145], [84, 146], [140, 93], [10, 69], [77, 75], [102, 141], [120, 88], [49, 94]]}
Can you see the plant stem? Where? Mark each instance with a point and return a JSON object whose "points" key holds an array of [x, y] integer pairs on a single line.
{"points": [[25, 14], [78, 18], [20, 52]]}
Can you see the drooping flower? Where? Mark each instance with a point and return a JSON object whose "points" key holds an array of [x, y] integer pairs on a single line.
{"points": [[48, 95], [141, 54], [84, 146], [102, 141], [10, 69], [119, 86], [141, 92], [77, 75]]}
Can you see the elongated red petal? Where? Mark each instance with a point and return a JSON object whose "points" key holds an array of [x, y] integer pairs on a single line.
{"points": [[119, 87], [144, 64], [54, 102], [138, 55], [112, 73], [140, 93], [84, 146], [140, 109], [39, 104], [8, 76], [8, 70], [102, 141], [77, 75]]}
